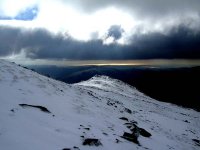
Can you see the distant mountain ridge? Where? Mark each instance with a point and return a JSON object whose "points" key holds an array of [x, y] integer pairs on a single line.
{"points": [[175, 85]]}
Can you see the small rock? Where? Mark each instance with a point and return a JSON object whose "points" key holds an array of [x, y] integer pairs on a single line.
{"points": [[44, 109], [87, 128], [187, 121], [117, 140], [128, 110], [134, 122], [124, 118], [135, 131], [12, 110], [75, 147], [92, 142], [105, 133], [130, 137], [129, 127], [144, 133], [197, 142]]}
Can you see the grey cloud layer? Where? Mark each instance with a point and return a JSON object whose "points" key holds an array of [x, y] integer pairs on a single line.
{"points": [[180, 42], [143, 8]]}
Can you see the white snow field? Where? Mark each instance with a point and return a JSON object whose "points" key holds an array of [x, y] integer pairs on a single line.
{"points": [[39, 113]]}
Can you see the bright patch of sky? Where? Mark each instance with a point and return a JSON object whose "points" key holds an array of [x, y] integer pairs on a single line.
{"points": [[66, 18], [57, 16], [28, 14]]}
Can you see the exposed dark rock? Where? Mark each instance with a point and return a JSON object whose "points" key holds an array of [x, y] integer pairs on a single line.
{"points": [[144, 133], [75, 147], [130, 137], [92, 142], [105, 133], [124, 118], [133, 122], [183, 114], [110, 103], [117, 140], [130, 123], [66, 149], [197, 142], [92, 94], [187, 121], [44, 109], [128, 110], [129, 127], [82, 136], [135, 130], [12, 110]]}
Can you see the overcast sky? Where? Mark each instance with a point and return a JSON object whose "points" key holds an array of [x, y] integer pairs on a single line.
{"points": [[99, 29]]}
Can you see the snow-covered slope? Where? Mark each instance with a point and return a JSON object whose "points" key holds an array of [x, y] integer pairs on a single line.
{"points": [[39, 113]]}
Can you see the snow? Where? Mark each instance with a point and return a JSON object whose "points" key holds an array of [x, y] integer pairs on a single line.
{"points": [[91, 109]]}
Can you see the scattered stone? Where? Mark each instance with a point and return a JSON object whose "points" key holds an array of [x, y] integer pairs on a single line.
{"points": [[66, 149], [44, 109], [82, 136], [130, 137], [124, 118], [144, 133], [92, 142]]}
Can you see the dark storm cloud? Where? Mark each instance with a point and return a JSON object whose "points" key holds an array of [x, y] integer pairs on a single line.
{"points": [[115, 31], [180, 42], [8, 40], [144, 8]]}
